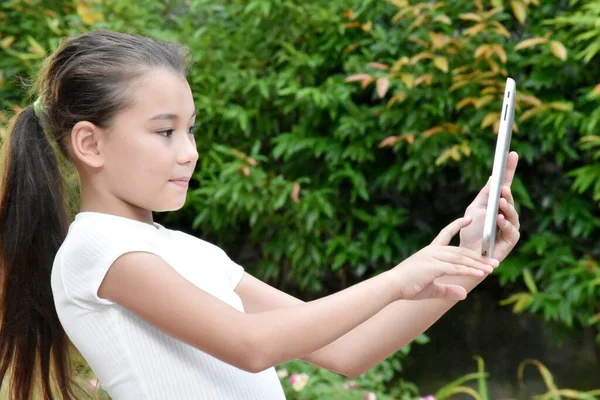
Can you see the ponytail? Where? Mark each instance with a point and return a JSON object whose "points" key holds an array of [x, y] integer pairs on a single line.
{"points": [[34, 349]]}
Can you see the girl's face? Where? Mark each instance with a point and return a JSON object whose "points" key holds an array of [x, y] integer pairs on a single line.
{"points": [[150, 152]]}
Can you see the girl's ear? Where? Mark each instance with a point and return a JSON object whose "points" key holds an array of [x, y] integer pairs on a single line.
{"points": [[86, 144]]}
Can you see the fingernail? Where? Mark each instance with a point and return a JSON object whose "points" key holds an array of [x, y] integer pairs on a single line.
{"points": [[489, 268]]}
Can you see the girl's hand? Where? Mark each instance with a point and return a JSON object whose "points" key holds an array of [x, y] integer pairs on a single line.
{"points": [[508, 218], [416, 276]]}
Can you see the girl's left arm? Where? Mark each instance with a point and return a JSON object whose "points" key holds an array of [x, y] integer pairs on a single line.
{"points": [[402, 321]]}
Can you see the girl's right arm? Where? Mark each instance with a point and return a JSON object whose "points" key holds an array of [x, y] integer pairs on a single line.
{"points": [[147, 285]]}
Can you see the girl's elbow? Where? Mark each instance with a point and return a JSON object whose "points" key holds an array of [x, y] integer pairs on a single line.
{"points": [[254, 357]]}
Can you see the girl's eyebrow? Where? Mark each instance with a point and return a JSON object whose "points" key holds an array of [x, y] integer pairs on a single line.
{"points": [[168, 116]]}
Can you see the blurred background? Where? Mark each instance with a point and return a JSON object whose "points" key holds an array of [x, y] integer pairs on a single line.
{"points": [[337, 137]]}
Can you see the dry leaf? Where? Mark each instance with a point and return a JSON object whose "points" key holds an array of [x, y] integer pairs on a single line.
{"points": [[378, 65], [490, 119], [389, 141], [441, 63], [295, 194], [383, 85], [558, 49], [465, 102], [518, 9], [357, 77], [470, 17], [89, 17], [530, 43], [398, 97]]}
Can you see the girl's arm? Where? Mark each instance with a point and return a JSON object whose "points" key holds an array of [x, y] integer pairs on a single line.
{"points": [[149, 287], [402, 321]]}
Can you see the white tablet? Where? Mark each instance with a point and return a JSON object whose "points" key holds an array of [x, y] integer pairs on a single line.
{"points": [[502, 148]]}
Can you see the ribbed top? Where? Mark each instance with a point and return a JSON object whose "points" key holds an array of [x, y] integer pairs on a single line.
{"points": [[131, 358]]}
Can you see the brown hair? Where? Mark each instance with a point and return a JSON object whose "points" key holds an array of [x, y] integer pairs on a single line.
{"points": [[88, 78]]}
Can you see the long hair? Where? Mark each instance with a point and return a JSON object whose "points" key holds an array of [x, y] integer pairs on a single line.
{"points": [[88, 78]]}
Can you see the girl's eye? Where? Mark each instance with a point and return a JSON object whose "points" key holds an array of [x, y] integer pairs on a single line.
{"points": [[166, 133]]}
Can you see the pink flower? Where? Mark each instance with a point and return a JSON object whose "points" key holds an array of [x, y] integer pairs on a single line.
{"points": [[298, 381], [370, 396], [93, 385], [428, 397]]}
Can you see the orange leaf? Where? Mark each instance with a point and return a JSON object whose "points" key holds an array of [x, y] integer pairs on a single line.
{"points": [[470, 17], [419, 41], [500, 52], [7, 42], [438, 40], [366, 82], [351, 24], [383, 85], [421, 56], [408, 138], [427, 78], [89, 17], [490, 119], [501, 29], [596, 88], [400, 63], [558, 49], [482, 101], [351, 47], [530, 42], [349, 13], [474, 30], [433, 131], [246, 171], [483, 50], [295, 194], [444, 19], [465, 102], [530, 113], [408, 79], [389, 141], [367, 26], [357, 77], [489, 90], [399, 3], [398, 97], [518, 9], [378, 65], [534, 101], [441, 63], [557, 105]]}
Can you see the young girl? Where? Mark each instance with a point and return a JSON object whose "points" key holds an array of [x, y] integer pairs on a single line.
{"points": [[157, 313]]}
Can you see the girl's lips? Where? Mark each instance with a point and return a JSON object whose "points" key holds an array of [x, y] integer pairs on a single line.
{"points": [[183, 184]]}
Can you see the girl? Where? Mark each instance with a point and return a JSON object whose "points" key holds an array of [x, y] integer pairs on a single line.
{"points": [[157, 313]]}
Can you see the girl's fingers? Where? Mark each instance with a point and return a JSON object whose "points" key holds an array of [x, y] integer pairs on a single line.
{"points": [[446, 234], [459, 259], [461, 270], [507, 194], [509, 212], [509, 231], [472, 254]]}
